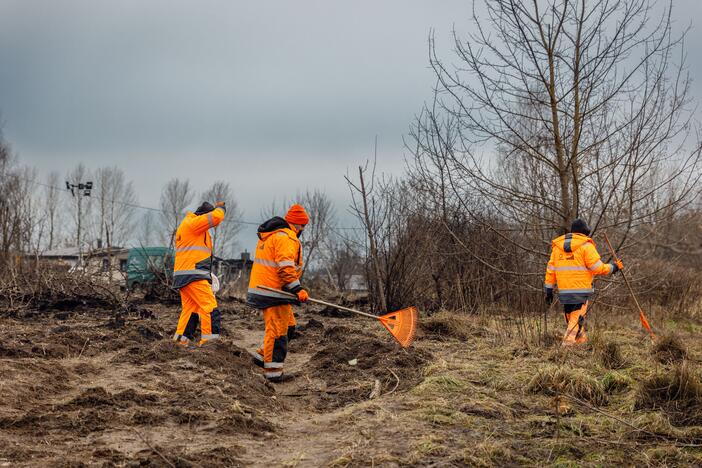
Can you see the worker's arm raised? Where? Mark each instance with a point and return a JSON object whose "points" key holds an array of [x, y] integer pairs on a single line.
{"points": [[209, 220]]}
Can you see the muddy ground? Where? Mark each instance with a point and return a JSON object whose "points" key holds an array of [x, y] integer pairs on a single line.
{"points": [[85, 386]]}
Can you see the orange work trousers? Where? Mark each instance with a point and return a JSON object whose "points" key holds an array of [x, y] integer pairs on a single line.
{"points": [[199, 305], [575, 324], [272, 355]]}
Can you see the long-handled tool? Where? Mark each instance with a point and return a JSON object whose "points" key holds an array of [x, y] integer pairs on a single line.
{"points": [[401, 324], [642, 316]]}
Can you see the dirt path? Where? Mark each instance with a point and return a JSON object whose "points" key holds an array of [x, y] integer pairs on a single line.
{"points": [[305, 438]]}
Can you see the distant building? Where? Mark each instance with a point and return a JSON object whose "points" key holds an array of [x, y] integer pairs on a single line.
{"points": [[356, 283]]}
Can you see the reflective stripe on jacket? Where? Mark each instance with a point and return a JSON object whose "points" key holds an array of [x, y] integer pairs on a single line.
{"points": [[277, 264], [193, 246], [572, 268]]}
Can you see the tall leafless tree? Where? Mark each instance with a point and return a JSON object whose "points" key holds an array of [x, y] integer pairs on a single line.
{"points": [[175, 198], [557, 109], [225, 235]]}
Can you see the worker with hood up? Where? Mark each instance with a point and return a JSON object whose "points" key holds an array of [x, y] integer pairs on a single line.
{"points": [[192, 275], [573, 265], [277, 264]]}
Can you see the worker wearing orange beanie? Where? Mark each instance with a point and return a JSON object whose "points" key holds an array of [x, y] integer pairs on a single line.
{"points": [[278, 265]]}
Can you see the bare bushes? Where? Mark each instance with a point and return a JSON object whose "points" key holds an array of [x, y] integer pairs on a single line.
{"points": [[43, 289]]}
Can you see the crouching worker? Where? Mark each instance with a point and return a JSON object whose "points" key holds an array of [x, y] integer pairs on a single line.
{"points": [[193, 277], [572, 268], [277, 264]]}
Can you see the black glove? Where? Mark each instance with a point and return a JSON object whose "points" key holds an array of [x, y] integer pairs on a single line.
{"points": [[549, 297]]}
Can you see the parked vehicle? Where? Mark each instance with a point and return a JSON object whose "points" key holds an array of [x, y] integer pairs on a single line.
{"points": [[146, 265]]}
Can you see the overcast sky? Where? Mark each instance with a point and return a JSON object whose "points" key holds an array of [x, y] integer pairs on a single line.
{"points": [[272, 96]]}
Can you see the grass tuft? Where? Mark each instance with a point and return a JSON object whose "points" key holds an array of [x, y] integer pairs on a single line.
{"points": [[551, 380], [678, 392], [446, 324], [610, 356], [669, 349]]}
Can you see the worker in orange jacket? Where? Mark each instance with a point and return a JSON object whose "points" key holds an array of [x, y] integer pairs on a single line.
{"points": [[277, 264], [573, 265], [192, 275]]}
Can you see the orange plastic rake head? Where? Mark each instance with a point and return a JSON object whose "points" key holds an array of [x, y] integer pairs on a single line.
{"points": [[402, 325]]}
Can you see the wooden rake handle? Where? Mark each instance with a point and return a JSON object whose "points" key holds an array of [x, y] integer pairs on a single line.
{"points": [[642, 315], [317, 301]]}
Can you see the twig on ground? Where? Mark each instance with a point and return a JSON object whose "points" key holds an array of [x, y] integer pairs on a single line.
{"points": [[168, 462], [397, 383], [83, 348]]}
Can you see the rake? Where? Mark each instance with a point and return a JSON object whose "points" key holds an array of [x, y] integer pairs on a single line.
{"points": [[642, 316], [401, 324]]}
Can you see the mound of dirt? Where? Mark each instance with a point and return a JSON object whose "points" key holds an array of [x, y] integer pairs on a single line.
{"points": [[669, 349], [351, 363], [678, 392]]}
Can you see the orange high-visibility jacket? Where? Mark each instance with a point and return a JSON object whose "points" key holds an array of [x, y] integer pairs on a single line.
{"points": [[194, 247], [573, 266], [277, 264]]}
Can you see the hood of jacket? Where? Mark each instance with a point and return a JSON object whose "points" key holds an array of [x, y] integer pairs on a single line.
{"points": [[272, 225], [570, 242]]}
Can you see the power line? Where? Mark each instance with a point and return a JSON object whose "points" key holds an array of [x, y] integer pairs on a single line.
{"points": [[158, 210]]}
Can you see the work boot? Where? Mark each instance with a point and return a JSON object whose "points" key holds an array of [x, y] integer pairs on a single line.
{"points": [[286, 377], [257, 357], [185, 344], [205, 343]]}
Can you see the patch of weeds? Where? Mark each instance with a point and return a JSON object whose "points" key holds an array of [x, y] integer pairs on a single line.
{"points": [[445, 324], [487, 454], [428, 447], [443, 416], [669, 349], [440, 385], [552, 380], [609, 355], [678, 392], [616, 382]]}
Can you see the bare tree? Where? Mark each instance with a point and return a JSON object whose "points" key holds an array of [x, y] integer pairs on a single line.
{"points": [[116, 201], [175, 198], [18, 217], [52, 214], [321, 212], [557, 109], [370, 208], [224, 237]]}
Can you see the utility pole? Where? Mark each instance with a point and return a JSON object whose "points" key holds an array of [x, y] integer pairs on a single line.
{"points": [[78, 191]]}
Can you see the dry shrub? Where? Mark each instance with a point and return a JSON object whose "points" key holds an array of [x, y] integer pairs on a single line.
{"points": [[669, 349], [445, 324], [678, 392], [610, 355], [552, 380]]}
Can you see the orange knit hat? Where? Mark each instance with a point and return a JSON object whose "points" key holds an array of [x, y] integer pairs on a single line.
{"points": [[297, 215]]}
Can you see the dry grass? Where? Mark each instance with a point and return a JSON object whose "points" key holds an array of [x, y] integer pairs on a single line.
{"points": [[609, 355], [678, 392], [553, 380], [669, 349], [445, 324]]}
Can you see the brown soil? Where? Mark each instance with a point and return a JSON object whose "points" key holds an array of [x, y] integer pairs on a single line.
{"points": [[102, 387]]}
